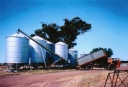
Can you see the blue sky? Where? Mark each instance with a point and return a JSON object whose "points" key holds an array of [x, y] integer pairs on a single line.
{"points": [[109, 20]]}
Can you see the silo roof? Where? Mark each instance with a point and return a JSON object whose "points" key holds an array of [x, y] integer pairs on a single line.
{"points": [[61, 43], [48, 42], [37, 38], [73, 49], [17, 35]]}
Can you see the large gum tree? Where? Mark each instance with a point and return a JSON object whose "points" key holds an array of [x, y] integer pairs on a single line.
{"points": [[66, 33]]}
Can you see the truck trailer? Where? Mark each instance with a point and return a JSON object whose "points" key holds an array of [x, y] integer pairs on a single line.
{"points": [[87, 61]]}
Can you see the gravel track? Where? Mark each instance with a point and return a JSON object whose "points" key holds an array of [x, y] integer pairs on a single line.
{"points": [[74, 78]]}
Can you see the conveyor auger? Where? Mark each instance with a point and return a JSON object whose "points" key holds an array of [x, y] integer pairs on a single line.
{"points": [[60, 58]]}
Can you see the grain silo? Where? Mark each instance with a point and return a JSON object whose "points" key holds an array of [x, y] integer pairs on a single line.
{"points": [[37, 53], [17, 50], [62, 50], [73, 54]]}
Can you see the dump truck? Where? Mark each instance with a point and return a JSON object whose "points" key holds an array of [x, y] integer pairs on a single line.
{"points": [[87, 61]]}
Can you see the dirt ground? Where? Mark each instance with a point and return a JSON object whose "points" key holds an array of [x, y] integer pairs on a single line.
{"points": [[54, 78]]}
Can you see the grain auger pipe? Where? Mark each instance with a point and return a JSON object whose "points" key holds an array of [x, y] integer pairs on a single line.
{"points": [[43, 47]]}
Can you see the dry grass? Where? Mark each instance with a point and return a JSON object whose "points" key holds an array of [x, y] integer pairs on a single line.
{"points": [[4, 71], [42, 71], [85, 80]]}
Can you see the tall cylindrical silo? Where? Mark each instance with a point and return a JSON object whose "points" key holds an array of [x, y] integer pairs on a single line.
{"points": [[37, 53], [62, 50], [17, 50], [73, 54]]}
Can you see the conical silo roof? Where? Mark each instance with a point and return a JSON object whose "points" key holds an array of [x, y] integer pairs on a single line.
{"points": [[17, 35], [37, 38]]}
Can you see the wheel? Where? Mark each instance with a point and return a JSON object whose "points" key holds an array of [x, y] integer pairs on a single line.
{"points": [[88, 67], [77, 67]]}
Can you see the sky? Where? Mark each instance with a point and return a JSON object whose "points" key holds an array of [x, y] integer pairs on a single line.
{"points": [[108, 18]]}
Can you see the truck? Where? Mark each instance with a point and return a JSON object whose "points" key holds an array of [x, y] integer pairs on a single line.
{"points": [[87, 61]]}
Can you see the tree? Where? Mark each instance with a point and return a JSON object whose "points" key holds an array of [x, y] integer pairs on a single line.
{"points": [[67, 33], [103, 61], [72, 28]]}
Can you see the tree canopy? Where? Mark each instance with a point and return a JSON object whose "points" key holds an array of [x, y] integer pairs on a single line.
{"points": [[66, 33]]}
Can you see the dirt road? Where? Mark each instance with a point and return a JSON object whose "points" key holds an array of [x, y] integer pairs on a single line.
{"points": [[74, 78]]}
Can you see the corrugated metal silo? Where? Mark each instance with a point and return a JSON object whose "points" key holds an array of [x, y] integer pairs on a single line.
{"points": [[17, 50], [62, 50], [37, 53], [73, 54]]}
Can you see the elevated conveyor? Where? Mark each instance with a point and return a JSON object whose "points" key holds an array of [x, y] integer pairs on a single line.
{"points": [[61, 59]]}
